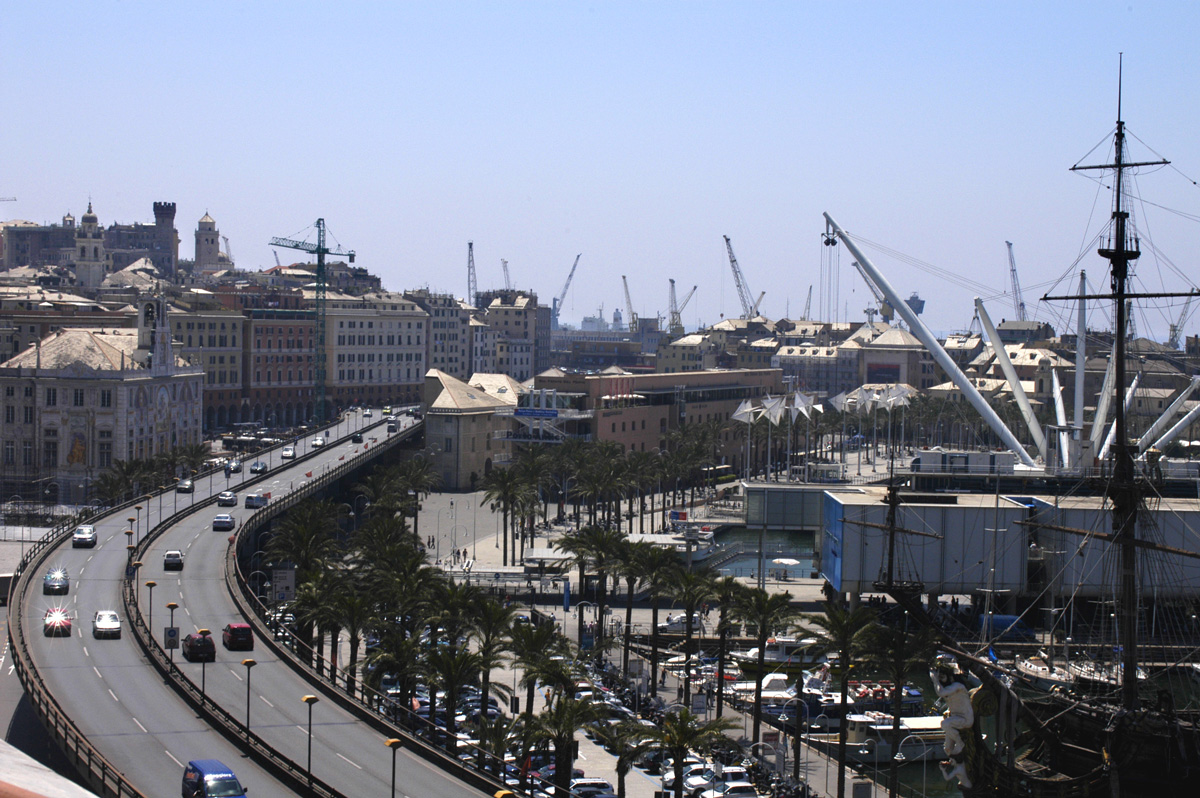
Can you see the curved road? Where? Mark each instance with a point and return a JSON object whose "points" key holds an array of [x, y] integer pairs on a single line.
{"points": [[143, 727]]}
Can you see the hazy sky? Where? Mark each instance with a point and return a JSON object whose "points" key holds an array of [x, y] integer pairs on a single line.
{"points": [[635, 133]]}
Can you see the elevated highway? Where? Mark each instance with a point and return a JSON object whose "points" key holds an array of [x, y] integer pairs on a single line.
{"points": [[131, 719]]}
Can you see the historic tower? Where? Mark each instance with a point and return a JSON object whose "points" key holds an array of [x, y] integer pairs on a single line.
{"points": [[90, 260], [207, 246]]}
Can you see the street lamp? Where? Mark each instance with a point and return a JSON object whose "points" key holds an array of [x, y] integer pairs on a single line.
{"points": [[796, 737], [868, 749], [249, 663], [150, 583], [137, 521], [161, 490], [310, 700], [900, 757], [133, 525], [822, 721], [438, 542], [172, 606], [203, 663], [393, 743]]}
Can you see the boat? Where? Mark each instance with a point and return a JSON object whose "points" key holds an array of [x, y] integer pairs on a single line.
{"points": [[784, 654], [869, 736], [690, 541], [1041, 672]]}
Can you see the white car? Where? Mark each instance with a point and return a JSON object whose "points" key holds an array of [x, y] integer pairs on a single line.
{"points": [[732, 789], [317, 443], [106, 623], [668, 776], [227, 498], [288, 453], [367, 413], [709, 778], [83, 537]]}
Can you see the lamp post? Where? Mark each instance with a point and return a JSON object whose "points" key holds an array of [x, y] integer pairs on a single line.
{"points": [[822, 721], [151, 584], [249, 663], [172, 606], [310, 700], [203, 663], [438, 542], [414, 499], [868, 749], [161, 490], [137, 520], [796, 737], [47, 492], [393, 743], [133, 525], [900, 757]]}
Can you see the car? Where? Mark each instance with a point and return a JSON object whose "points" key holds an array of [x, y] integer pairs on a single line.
{"points": [[227, 498], [56, 582], [255, 500], [208, 778], [391, 427], [387, 410], [288, 453], [185, 486], [317, 443], [259, 467], [731, 789], [235, 466], [199, 648], [83, 537], [356, 438], [222, 522], [367, 413], [668, 776], [708, 778], [173, 560], [56, 622], [106, 623], [238, 636]]}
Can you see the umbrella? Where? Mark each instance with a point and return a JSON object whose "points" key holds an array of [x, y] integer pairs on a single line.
{"points": [[785, 561]]}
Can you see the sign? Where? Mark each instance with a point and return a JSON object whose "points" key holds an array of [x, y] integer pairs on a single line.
{"points": [[678, 515], [536, 412], [699, 704], [171, 637], [283, 583]]}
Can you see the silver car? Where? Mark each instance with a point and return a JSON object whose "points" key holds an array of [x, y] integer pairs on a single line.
{"points": [[106, 623]]}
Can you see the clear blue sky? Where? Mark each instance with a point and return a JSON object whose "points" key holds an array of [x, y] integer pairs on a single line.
{"points": [[635, 133]]}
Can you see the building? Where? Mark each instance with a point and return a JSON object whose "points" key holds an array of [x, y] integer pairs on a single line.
{"points": [[896, 356], [449, 340], [215, 341], [82, 398], [483, 346], [1023, 332], [208, 248], [516, 318], [463, 434], [279, 366], [695, 352], [821, 370], [375, 349]]}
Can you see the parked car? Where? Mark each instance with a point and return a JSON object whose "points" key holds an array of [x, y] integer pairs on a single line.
{"points": [[106, 623], [731, 789], [83, 537], [288, 453], [259, 467], [56, 622], [238, 636], [199, 648], [185, 486], [227, 498], [56, 582], [173, 560], [222, 522]]}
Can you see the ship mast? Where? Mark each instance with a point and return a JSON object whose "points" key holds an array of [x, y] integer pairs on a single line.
{"points": [[1121, 249]]}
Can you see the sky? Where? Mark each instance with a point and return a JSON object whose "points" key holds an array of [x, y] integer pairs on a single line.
{"points": [[636, 134]]}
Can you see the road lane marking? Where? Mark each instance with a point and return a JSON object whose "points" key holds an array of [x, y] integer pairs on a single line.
{"points": [[189, 612], [173, 759], [81, 569], [236, 674], [97, 670], [89, 559], [114, 696], [357, 766], [85, 652], [139, 725], [268, 703]]}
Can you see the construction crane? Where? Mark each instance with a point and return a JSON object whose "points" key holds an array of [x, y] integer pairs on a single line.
{"points": [[1018, 300], [1177, 327], [320, 250], [228, 251], [749, 307], [277, 263], [472, 287], [556, 302], [675, 320], [807, 305], [633, 319], [885, 309], [507, 282]]}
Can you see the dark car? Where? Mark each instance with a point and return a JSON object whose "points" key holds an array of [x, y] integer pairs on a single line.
{"points": [[56, 582], [235, 466], [356, 438], [238, 637], [258, 467], [210, 778], [199, 648], [56, 622], [185, 486]]}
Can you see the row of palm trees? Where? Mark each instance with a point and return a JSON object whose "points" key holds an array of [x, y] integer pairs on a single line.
{"points": [[127, 479]]}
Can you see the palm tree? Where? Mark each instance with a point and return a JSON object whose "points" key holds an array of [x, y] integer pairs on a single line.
{"points": [[451, 668], [557, 725], [537, 650], [490, 627], [898, 653], [355, 610], [690, 589], [627, 741], [657, 569], [629, 557], [841, 632], [305, 538], [503, 488], [682, 732], [769, 614], [727, 592]]}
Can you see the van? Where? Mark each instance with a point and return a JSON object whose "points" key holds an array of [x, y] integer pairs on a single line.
{"points": [[210, 778], [255, 500], [391, 427], [1006, 629]]}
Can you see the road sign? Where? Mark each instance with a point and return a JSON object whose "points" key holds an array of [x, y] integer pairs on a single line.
{"points": [[283, 582], [536, 412], [171, 637]]}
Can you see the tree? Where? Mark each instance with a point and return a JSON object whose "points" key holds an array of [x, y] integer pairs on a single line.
{"points": [[629, 566], [769, 614], [627, 741], [690, 589], [601, 547], [305, 538], [537, 650], [557, 725], [682, 732], [355, 610], [727, 591], [449, 668], [491, 627], [657, 568], [503, 488], [841, 631]]}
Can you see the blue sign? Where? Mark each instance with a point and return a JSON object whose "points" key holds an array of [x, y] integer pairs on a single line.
{"points": [[536, 412]]}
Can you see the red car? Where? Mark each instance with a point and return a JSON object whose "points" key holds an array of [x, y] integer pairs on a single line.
{"points": [[56, 622], [238, 636]]}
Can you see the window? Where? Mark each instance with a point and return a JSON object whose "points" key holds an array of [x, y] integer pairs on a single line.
{"points": [[51, 397], [27, 453], [77, 397], [28, 415], [49, 454], [10, 414]]}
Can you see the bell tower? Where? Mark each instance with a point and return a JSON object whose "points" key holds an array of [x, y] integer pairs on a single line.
{"points": [[207, 246], [90, 258]]}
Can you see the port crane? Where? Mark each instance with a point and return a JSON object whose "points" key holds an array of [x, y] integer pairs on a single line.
{"points": [[633, 318], [807, 305], [557, 302], [675, 321], [1018, 299], [507, 281], [1177, 327], [472, 288], [885, 309], [228, 251], [320, 250], [749, 308]]}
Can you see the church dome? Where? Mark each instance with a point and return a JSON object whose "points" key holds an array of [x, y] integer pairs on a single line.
{"points": [[89, 217]]}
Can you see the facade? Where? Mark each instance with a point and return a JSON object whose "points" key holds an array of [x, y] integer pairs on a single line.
{"points": [[279, 367], [821, 370], [375, 349], [449, 340], [695, 352], [897, 356], [483, 346], [462, 431], [515, 316], [84, 397], [208, 247], [215, 341]]}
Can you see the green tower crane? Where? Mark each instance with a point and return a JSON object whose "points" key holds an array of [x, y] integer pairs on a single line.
{"points": [[320, 250]]}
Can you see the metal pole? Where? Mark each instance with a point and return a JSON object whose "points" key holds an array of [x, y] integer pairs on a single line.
{"points": [[249, 663]]}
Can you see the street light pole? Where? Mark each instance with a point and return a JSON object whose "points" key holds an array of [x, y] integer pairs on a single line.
{"points": [[150, 583], [133, 525], [310, 700], [900, 757], [394, 744], [203, 663], [249, 663], [172, 606]]}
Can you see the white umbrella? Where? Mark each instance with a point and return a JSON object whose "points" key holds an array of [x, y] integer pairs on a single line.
{"points": [[785, 561]]}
